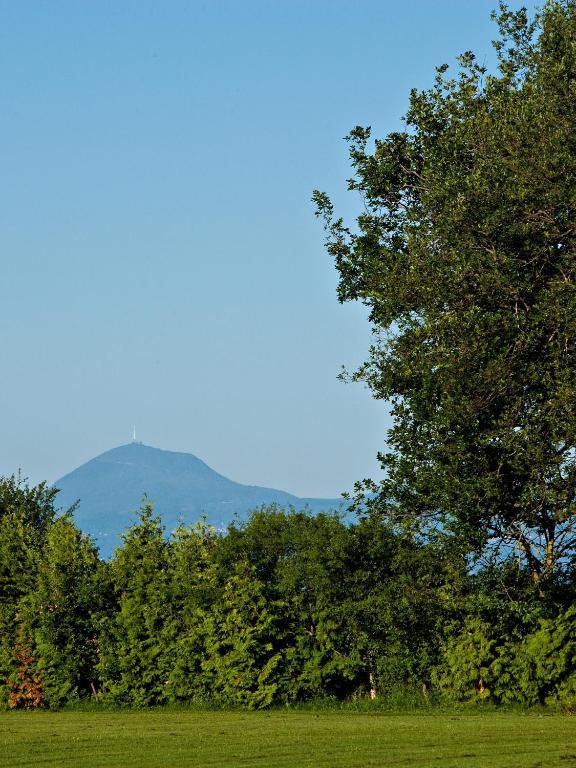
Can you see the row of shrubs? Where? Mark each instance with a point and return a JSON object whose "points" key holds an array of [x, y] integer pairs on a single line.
{"points": [[284, 608]]}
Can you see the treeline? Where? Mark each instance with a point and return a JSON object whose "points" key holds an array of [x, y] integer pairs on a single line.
{"points": [[283, 608]]}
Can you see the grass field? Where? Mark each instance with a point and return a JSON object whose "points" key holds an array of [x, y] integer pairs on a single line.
{"points": [[157, 739]]}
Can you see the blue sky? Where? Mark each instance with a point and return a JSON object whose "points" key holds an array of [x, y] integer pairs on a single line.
{"points": [[161, 263]]}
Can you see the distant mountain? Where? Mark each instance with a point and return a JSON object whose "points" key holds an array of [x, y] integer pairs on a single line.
{"points": [[110, 488]]}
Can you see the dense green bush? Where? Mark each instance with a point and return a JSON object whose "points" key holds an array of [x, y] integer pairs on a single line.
{"points": [[284, 608]]}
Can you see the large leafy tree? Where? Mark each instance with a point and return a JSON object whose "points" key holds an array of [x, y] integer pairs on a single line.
{"points": [[465, 256]]}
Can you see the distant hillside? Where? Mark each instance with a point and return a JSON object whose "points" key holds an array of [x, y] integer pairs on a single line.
{"points": [[181, 486]]}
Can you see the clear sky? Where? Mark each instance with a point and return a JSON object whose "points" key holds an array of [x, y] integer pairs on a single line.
{"points": [[161, 264]]}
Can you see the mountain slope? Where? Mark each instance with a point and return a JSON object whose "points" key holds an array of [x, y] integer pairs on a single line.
{"points": [[110, 488]]}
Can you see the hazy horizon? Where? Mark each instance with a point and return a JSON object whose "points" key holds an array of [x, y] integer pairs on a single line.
{"points": [[164, 450]]}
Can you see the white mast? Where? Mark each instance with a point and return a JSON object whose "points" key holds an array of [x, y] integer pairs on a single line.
{"points": [[134, 435]]}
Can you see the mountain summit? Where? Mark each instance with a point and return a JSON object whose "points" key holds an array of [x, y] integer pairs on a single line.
{"points": [[181, 486]]}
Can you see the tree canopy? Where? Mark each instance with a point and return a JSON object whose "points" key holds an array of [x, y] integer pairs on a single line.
{"points": [[464, 254], [281, 608]]}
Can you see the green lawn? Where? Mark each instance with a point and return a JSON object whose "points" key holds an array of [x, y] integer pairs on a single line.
{"points": [[270, 740]]}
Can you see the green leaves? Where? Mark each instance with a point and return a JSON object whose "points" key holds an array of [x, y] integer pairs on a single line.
{"points": [[282, 608], [66, 602], [241, 644], [134, 639], [465, 257]]}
